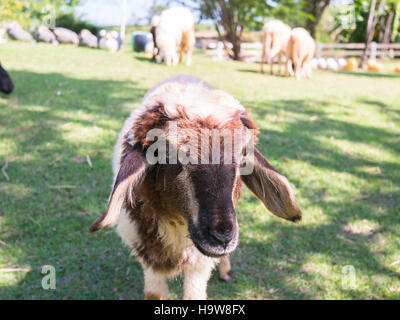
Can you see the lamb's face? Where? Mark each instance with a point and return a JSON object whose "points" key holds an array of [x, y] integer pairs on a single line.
{"points": [[212, 220]]}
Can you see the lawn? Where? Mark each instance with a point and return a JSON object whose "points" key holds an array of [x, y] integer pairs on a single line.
{"points": [[336, 137]]}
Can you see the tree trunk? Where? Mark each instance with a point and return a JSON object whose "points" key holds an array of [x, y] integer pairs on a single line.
{"points": [[389, 25], [316, 9], [372, 21], [230, 23]]}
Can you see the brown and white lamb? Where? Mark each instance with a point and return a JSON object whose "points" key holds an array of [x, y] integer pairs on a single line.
{"points": [[177, 215]]}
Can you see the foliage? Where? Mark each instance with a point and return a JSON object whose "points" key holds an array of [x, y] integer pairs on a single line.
{"points": [[232, 17], [14, 10], [74, 23], [302, 13], [32, 12], [351, 22]]}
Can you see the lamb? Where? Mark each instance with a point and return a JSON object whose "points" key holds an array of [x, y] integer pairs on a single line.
{"points": [[177, 215], [175, 31], [302, 48], [6, 84], [276, 36]]}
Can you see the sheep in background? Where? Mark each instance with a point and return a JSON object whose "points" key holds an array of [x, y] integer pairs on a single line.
{"points": [[332, 64], [109, 40], [3, 40], [66, 36], [276, 36], [16, 32], [6, 84], [301, 48], [87, 39], [342, 63], [44, 34], [175, 32], [179, 216]]}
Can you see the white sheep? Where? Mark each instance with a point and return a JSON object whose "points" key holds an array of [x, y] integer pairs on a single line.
{"points": [[276, 36], [302, 47], [175, 35]]}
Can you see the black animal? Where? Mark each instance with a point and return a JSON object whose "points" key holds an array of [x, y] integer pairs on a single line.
{"points": [[6, 85]]}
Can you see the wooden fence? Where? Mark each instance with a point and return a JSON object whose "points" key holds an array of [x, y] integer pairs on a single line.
{"points": [[345, 50], [252, 50]]}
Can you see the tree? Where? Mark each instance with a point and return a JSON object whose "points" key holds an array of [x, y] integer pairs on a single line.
{"points": [[13, 10], [31, 11], [371, 25], [352, 22], [314, 9], [231, 17], [302, 13]]}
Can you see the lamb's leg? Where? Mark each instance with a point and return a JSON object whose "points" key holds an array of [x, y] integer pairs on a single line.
{"points": [[155, 285], [189, 56], [225, 272], [195, 280], [263, 57]]}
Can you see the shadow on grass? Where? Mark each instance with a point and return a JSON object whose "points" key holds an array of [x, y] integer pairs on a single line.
{"points": [[282, 263], [369, 74], [51, 123], [266, 72], [45, 225]]}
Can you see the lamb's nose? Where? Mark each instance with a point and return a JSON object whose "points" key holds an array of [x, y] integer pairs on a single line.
{"points": [[224, 236]]}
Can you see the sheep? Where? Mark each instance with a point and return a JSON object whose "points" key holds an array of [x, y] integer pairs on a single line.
{"points": [[301, 48], [276, 35], [66, 36], [44, 34], [175, 31], [87, 39], [6, 84], [177, 215], [109, 40], [16, 32]]}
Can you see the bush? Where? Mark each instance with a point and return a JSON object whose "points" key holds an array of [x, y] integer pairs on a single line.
{"points": [[74, 23]]}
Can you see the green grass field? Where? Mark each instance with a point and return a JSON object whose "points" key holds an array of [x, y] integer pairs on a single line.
{"points": [[336, 137]]}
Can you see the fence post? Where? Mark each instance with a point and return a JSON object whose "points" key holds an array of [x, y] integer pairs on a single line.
{"points": [[318, 51], [373, 51]]}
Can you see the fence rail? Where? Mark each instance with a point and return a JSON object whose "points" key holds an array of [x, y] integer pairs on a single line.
{"points": [[375, 50], [252, 50]]}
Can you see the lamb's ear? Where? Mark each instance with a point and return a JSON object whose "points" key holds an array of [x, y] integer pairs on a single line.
{"points": [[272, 188], [130, 175]]}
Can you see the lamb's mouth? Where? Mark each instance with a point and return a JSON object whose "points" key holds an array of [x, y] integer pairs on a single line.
{"points": [[211, 248]]}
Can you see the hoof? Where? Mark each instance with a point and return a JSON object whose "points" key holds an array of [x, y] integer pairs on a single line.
{"points": [[228, 278]]}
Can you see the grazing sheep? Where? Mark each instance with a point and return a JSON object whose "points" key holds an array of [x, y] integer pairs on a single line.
{"points": [[332, 64], [2, 38], [109, 40], [87, 39], [175, 32], [276, 36], [44, 34], [66, 36], [153, 26], [177, 215], [16, 32], [301, 48], [6, 84]]}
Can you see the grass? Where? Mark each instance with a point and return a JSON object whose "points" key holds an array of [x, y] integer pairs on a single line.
{"points": [[336, 137]]}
